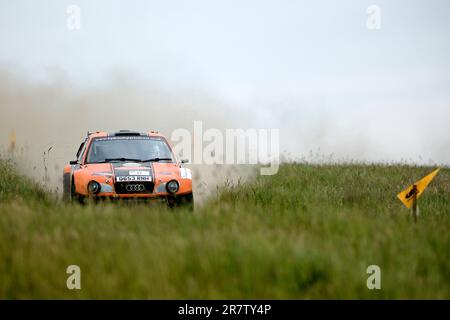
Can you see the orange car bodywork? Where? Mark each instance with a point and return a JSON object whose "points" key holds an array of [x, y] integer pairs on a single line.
{"points": [[77, 176]]}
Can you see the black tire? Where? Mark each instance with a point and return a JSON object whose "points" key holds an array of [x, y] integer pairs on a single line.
{"points": [[75, 197], [187, 201], [182, 201], [67, 180]]}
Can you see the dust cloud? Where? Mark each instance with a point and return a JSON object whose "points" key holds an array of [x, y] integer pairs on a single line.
{"points": [[50, 119]]}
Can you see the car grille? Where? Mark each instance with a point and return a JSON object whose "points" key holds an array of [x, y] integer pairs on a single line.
{"points": [[133, 187]]}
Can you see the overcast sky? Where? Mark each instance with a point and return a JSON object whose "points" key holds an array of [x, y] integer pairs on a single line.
{"points": [[227, 45], [281, 58]]}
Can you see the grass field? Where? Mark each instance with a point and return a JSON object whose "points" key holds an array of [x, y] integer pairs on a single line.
{"points": [[308, 232]]}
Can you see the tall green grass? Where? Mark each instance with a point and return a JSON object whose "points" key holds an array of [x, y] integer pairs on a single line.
{"points": [[308, 232]]}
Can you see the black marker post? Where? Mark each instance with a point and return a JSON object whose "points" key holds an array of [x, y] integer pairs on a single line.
{"points": [[415, 208]]}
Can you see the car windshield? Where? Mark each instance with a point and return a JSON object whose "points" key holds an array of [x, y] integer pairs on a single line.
{"points": [[128, 148]]}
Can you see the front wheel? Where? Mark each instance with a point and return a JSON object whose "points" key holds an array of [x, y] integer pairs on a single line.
{"points": [[182, 201], [75, 196]]}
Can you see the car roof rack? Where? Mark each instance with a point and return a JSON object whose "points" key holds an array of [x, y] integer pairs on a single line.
{"points": [[126, 133]]}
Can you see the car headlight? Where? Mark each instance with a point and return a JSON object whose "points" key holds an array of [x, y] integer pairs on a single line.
{"points": [[93, 187], [172, 186]]}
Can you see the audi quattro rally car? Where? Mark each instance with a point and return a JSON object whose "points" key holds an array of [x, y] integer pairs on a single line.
{"points": [[127, 165]]}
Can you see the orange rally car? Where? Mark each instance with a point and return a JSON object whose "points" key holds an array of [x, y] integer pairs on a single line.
{"points": [[128, 165]]}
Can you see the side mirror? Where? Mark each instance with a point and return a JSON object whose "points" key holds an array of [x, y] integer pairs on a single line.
{"points": [[184, 161], [73, 162]]}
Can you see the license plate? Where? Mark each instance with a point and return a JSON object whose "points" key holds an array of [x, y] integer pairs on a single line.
{"points": [[133, 178]]}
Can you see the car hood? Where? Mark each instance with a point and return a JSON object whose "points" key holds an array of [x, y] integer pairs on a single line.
{"points": [[125, 168]]}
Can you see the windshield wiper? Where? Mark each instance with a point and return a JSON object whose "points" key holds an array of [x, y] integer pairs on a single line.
{"points": [[122, 159], [136, 160], [156, 159]]}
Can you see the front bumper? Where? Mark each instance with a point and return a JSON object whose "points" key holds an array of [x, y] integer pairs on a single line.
{"points": [[169, 199]]}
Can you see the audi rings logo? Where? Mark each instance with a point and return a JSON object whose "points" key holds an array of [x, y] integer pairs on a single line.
{"points": [[135, 187]]}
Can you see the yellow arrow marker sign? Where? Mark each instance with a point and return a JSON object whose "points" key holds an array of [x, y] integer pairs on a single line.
{"points": [[414, 191]]}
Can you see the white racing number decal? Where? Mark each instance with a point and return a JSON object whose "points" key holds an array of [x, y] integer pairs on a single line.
{"points": [[133, 178]]}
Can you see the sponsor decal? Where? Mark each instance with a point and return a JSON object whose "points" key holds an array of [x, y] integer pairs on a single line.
{"points": [[128, 138], [139, 173], [131, 164]]}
